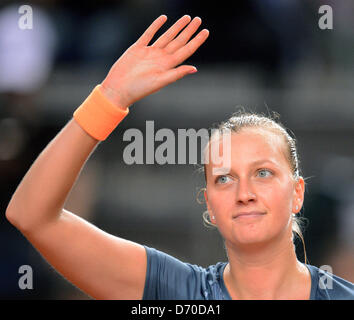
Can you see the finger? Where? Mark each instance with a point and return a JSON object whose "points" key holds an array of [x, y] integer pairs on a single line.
{"points": [[175, 74], [184, 36], [151, 30], [172, 32], [186, 51]]}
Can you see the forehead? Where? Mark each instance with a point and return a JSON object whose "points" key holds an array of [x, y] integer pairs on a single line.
{"points": [[249, 145]]}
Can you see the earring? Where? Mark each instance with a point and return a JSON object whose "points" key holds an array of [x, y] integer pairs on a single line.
{"points": [[297, 207]]}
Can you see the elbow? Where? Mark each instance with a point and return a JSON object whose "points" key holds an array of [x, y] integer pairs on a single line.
{"points": [[15, 217], [23, 217], [10, 215]]}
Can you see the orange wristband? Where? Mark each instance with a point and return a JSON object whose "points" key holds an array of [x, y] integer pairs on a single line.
{"points": [[98, 116]]}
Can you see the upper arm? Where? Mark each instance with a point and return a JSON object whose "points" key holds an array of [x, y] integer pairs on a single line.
{"points": [[100, 264]]}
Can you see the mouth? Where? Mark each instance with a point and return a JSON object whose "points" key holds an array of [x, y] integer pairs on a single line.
{"points": [[250, 214]]}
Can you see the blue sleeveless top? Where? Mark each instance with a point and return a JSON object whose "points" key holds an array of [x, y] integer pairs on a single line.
{"points": [[168, 278]]}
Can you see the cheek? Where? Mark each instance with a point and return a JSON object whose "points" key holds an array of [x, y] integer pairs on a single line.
{"points": [[278, 200], [221, 202]]}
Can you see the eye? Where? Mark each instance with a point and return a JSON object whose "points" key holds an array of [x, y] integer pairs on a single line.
{"points": [[262, 173], [222, 179]]}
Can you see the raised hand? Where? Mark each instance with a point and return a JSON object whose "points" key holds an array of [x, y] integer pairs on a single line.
{"points": [[144, 69]]}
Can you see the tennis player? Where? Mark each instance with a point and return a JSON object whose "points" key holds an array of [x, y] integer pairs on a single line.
{"points": [[253, 205]]}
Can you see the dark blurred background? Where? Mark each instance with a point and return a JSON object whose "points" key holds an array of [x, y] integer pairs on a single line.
{"points": [[261, 54]]}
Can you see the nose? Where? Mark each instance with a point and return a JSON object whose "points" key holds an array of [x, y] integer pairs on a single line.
{"points": [[245, 192]]}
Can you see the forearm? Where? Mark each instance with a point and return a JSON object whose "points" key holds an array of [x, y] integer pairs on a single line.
{"points": [[41, 195]]}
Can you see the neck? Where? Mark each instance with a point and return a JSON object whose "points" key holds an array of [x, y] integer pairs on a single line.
{"points": [[267, 271]]}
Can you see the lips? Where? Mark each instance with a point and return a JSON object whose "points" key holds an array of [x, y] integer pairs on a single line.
{"points": [[249, 214]]}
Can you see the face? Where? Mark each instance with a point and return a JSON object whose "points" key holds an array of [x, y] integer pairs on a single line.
{"points": [[253, 203]]}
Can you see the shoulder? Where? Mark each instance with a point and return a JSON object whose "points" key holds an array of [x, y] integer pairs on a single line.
{"points": [[327, 286], [169, 278]]}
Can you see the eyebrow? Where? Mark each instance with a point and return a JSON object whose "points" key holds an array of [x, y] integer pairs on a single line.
{"points": [[263, 161]]}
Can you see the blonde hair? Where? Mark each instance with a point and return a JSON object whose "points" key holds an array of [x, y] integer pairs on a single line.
{"points": [[242, 119]]}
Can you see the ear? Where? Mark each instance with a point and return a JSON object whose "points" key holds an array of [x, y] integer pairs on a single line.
{"points": [[298, 198], [211, 216], [206, 198]]}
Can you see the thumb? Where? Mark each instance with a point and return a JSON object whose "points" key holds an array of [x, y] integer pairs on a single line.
{"points": [[176, 74]]}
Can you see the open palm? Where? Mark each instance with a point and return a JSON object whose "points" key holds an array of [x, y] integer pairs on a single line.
{"points": [[144, 69]]}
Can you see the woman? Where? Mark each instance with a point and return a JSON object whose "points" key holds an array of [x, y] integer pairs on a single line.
{"points": [[252, 211]]}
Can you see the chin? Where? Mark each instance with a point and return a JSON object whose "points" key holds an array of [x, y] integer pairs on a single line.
{"points": [[247, 236], [249, 240]]}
